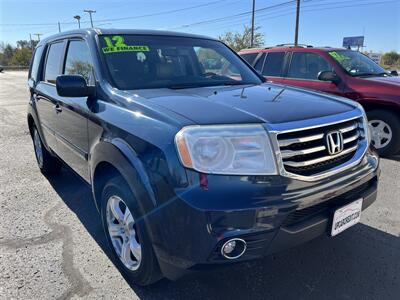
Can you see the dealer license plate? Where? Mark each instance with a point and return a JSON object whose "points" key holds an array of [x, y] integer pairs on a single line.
{"points": [[346, 216]]}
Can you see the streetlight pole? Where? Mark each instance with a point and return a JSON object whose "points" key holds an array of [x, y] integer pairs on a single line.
{"points": [[90, 12], [252, 24], [78, 18], [296, 34]]}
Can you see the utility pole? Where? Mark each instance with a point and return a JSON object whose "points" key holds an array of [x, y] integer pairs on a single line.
{"points": [[252, 24], [90, 12], [30, 38], [296, 34], [59, 27], [78, 17], [38, 35]]}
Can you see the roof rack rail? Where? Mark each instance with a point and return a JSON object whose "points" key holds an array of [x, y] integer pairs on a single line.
{"points": [[293, 45]]}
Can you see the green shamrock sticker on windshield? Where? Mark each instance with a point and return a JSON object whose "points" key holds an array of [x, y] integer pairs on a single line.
{"points": [[120, 46]]}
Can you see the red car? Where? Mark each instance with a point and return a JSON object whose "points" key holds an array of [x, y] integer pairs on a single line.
{"points": [[341, 72]]}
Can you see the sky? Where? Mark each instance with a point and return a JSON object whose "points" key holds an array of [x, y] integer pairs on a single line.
{"points": [[322, 22]]}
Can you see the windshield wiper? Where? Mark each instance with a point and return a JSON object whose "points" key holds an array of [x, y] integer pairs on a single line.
{"points": [[184, 86]]}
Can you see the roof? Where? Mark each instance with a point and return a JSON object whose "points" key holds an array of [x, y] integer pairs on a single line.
{"points": [[99, 31], [307, 48]]}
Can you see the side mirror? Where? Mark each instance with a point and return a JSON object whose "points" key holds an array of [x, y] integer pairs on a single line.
{"points": [[73, 86], [328, 76], [394, 73]]}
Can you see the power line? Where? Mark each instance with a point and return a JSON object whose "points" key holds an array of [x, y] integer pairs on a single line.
{"points": [[123, 18]]}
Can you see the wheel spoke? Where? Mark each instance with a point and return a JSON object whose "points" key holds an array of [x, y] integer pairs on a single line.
{"points": [[128, 217], [116, 210], [115, 230], [380, 126], [136, 249], [378, 143], [126, 253]]}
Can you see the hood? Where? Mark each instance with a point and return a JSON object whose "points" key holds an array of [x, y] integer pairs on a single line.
{"points": [[244, 104], [391, 80]]}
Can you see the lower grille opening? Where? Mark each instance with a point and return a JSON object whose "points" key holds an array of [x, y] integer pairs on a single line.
{"points": [[325, 208]]}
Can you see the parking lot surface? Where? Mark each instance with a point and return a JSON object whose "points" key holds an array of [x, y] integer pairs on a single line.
{"points": [[52, 245]]}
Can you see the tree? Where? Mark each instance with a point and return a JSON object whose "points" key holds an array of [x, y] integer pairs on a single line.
{"points": [[390, 58], [241, 40], [21, 57]]}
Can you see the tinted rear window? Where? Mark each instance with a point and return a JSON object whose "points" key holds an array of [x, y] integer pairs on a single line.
{"points": [[53, 62], [259, 64], [273, 65], [249, 57]]}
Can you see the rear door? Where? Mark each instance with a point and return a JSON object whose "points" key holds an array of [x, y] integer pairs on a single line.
{"points": [[72, 119], [46, 94], [274, 67], [303, 71]]}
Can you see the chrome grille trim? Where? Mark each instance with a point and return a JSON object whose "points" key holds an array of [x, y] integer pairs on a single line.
{"points": [[310, 138], [300, 126], [291, 153], [319, 160]]}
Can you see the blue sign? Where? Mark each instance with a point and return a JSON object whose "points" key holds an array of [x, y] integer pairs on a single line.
{"points": [[353, 41]]}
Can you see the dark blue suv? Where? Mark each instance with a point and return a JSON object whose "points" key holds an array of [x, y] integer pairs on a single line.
{"points": [[193, 159]]}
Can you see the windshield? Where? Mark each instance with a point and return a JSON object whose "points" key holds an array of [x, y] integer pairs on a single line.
{"points": [[142, 62], [357, 64]]}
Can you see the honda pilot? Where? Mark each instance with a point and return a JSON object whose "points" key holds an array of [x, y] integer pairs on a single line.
{"points": [[193, 160]]}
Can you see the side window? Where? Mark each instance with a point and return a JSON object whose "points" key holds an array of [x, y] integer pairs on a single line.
{"points": [[78, 61], [274, 64], [249, 57], [259, 64], [33, 73], [307, 65], [53, 62]]}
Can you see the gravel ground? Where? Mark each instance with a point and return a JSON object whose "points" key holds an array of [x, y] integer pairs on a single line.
{"points": [[52, 245]]}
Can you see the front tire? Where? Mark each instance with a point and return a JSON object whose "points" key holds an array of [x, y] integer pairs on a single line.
{"points": [[48, 164], [126, 233], [385, 131]]}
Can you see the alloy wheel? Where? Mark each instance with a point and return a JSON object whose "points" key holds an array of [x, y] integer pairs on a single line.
{"points": [[38, 147], [123, 233], [381, 133]]}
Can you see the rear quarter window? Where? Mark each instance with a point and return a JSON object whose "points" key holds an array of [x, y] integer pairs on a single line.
{"points": [[53, 62]]}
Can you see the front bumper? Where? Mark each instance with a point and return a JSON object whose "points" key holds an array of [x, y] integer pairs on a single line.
{"points": [[271, 213]]}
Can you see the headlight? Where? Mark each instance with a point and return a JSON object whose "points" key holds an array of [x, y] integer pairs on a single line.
{"points": [[226, 149]]}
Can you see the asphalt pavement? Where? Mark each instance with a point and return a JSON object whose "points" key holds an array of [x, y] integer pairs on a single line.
{"points": [[52, 244]]}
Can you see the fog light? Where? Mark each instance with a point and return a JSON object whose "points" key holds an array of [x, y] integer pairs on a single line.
{"points": [[233, 248], [229, 247]]}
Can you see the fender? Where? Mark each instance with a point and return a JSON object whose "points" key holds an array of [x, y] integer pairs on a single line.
{"points": [[122, 157]]}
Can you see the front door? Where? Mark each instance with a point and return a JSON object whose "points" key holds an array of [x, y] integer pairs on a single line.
{"points": [[304, 69]]}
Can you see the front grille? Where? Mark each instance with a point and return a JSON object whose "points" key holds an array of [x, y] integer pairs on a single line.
{"points": [[304, 152]]}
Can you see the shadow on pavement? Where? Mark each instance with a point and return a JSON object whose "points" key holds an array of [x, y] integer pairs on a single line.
{"points": [[361, 263]]}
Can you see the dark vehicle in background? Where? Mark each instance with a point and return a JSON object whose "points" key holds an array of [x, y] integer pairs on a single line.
{"points": [[193, 167], [341, 72]]}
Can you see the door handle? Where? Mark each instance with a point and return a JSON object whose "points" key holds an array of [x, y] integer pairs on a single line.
{"points": [[58, 109]]}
